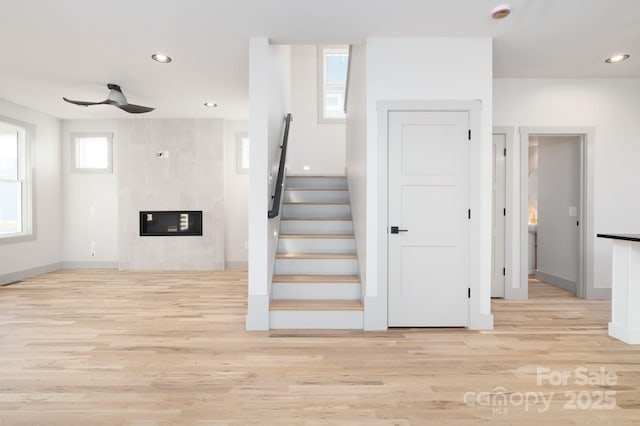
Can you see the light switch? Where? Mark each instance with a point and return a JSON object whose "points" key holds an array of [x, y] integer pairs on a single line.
{"points": [[573, 211]]}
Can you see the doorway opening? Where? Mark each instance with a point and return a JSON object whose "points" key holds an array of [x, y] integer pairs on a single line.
{"points": [[554, 199], [561, 217]]}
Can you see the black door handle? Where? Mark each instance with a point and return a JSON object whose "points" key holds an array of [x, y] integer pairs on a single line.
{"points": [[397, 230]]}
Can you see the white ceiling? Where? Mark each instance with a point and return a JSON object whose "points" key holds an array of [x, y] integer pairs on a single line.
{"points": [[73, 48]]}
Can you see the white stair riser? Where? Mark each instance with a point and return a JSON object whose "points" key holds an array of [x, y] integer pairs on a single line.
{"points": [[315, 291], [316, 245], [316, 210], [332, 320], [316, 182], [318, 196], [316, 227], [316, 266]]}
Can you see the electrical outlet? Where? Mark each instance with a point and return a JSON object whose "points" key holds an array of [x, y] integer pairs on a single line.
{"points": [[92, 248], [93, 252]]}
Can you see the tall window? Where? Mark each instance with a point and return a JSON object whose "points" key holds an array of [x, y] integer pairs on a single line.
{"points": [[333, 63], [15, 181]]}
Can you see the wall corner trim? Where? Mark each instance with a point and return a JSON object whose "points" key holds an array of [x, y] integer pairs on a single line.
{"points": [[481, 322]]}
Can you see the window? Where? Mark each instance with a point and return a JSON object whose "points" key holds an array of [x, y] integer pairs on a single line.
{"points": [[333, 63], [242, 153], [91, 153], [15, 180]]}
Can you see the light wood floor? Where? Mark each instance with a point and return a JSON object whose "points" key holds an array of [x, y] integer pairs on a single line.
{"points": [[106, 347]]}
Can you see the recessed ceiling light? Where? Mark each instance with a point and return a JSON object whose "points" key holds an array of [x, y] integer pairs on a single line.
{"points": [[616, 58], [159, 57], [210, 104], [501, 12]]}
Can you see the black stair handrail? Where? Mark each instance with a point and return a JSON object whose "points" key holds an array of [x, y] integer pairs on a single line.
{"points": [[275, 208]]}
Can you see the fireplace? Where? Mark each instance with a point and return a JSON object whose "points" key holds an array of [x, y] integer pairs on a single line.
{"points": [[171, 223]]}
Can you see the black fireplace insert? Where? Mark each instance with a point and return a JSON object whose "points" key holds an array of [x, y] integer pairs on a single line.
{"points": [[170, 223]]}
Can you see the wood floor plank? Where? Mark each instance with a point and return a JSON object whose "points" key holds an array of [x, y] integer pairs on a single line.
{"points": [[170, 348]]}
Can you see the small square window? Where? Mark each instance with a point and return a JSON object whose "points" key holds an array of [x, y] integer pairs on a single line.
{"points": [[91, 153], [242, 153]]}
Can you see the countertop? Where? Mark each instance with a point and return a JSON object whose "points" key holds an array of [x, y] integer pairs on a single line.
{"points": [[625, 237]]}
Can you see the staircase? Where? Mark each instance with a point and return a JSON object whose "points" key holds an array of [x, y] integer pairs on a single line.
{"points": [[316, 284]]}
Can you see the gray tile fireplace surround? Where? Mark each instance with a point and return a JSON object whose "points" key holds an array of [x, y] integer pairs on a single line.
{"points": [[189, 178]]}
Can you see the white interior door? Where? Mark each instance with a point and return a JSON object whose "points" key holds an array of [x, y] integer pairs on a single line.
{"points": [[499, 217], [428, 259]]}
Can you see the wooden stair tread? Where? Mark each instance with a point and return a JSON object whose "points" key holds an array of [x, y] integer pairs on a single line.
{"points": [[316, 256], [315, 305], [315, 189], [316, 176], [318, 236], [322, 203], [343, 218], [337, 279]]}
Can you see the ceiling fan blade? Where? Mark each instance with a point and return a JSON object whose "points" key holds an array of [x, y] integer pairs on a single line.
{"points": [[135, 109], [84, 103]]}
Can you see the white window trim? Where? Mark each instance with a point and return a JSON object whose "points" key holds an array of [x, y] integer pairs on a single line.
{"points": [[26, 173], [239, 166], [321, 89], [108, 136]]}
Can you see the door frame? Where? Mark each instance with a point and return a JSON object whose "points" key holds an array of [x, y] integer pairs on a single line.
{"points": [[586, 138], [480, 185], [511, 226]]}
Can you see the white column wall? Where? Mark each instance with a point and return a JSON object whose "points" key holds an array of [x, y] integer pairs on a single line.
{"points": [[269, 101], [441, 69]]}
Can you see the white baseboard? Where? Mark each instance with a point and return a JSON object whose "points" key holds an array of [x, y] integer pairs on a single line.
{"points": [[236, 265], [257, 312], [89, 265], [27, 273], [598, 294], [627, 335], [375, 313], [557, 281]]}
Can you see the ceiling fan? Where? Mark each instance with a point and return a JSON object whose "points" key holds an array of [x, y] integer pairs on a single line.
{"points": [[117, 99]]}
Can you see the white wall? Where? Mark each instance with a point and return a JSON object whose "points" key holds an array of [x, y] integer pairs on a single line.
{"points": [[90, 204], [191, 178], [320, 146], [236, 187], [558, 189], [429, 69], [42, 254], [269, 101], [612, 107], [356, 152]]}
